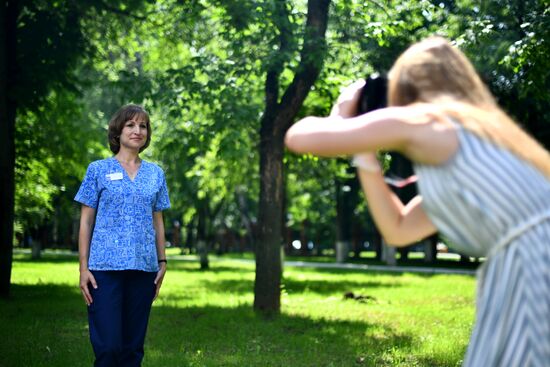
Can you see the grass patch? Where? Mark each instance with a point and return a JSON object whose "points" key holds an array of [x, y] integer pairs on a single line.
{"points": [[205, 318]]}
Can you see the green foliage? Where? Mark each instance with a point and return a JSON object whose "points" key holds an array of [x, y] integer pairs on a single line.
{"points": [[55, 135], [311, 193], [206, 140], [363, 37], [375, 33], [34, 194], [52, 145], [49, 42], [199, 67], [508, 41]]}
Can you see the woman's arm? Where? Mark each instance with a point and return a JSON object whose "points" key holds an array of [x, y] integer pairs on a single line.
{"points": [[414, 130], [405, 129], [87, 221], [158, 223], [344, 133], [399, 224], [333, 136]]}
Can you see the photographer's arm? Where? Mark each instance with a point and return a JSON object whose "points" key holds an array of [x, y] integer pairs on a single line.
{"points": [[399, 224], [331, 136], [342, 133]]}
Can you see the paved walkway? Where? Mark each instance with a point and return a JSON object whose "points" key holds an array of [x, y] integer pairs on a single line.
{"points": [[325, 265], [304, 264], [386, 268]]}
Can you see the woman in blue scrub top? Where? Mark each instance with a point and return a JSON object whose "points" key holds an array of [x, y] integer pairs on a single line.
{"points": [[121, 241]]}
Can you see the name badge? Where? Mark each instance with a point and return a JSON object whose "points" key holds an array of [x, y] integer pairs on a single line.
{"points": [[115, 176]]}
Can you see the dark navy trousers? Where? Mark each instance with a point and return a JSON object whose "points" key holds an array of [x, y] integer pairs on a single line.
{"points": [[118, 316]]}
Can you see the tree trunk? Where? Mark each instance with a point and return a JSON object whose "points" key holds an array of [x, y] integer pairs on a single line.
{"points": [[377, 243], [202, 250], [36, 248], [8, 19], [189, 239], [342, 224], [388, 254], [267, 287], [202, 244], [277, 118], [346, 202], [356, 239], [304, 239], [245, 218], [430, 249]]}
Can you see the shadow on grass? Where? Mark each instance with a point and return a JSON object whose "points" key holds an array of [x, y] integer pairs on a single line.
{"points": [[216, 336], [239, 280], [46, 325], [239, 286]]}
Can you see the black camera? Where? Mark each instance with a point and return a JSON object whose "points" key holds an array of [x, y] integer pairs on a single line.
{"points": [[374, 94]]}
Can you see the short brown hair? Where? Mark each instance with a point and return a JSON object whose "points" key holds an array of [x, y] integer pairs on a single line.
{"points": [[118, 120]]}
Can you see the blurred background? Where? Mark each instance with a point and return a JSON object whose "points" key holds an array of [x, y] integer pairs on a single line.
{"points": [[222, 81]]}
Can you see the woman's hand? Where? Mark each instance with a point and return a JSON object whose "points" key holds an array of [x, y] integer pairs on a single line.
{"points": [[86, 277], [159, 279], [348, 101]]}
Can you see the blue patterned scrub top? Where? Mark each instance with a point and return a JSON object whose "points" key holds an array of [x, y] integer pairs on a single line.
{"points": [[123, 236]]}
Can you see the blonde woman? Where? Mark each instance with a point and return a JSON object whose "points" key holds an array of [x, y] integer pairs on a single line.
{"points": [[483, 182]]}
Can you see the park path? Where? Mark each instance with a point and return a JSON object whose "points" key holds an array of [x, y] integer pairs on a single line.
{"points": [[384, 268], [304, 264], [350, 266]]}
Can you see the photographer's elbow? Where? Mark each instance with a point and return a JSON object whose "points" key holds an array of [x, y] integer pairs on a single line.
{"points": [[301, 138], [293, 141], [288, 140]]}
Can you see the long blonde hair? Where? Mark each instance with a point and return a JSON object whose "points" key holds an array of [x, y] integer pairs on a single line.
{"points": [[433, 71]]}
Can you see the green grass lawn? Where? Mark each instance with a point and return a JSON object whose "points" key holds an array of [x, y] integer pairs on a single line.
{"points": [[205, 318]]}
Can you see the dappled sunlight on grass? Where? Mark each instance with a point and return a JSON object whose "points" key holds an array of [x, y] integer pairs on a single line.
{"points": [[285, 341], [205, 318]]}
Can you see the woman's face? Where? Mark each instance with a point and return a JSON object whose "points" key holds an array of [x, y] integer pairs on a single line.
{"points": [[134, 133]]}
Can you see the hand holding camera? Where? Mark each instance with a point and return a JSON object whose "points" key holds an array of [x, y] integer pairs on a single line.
{"points": [[347, 103], [373, 94]]}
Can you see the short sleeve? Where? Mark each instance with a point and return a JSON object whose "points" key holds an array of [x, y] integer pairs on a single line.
{"points": [[88, 194], [162, 201]]}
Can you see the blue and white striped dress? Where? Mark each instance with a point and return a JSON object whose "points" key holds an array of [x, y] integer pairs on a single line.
{"points": [[490, 203]]}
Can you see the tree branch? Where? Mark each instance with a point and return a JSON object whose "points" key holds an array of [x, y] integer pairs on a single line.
{"points": [[276, 66], [118, 11], [312, 56]]}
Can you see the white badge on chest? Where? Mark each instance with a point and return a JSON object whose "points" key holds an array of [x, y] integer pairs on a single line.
{"points": [[115, 176]]}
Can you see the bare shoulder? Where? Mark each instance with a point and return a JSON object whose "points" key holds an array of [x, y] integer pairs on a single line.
{"points": [[434, 138]]}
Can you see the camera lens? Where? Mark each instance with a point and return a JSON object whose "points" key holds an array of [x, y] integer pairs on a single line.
{"points": [[373, 94]]}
